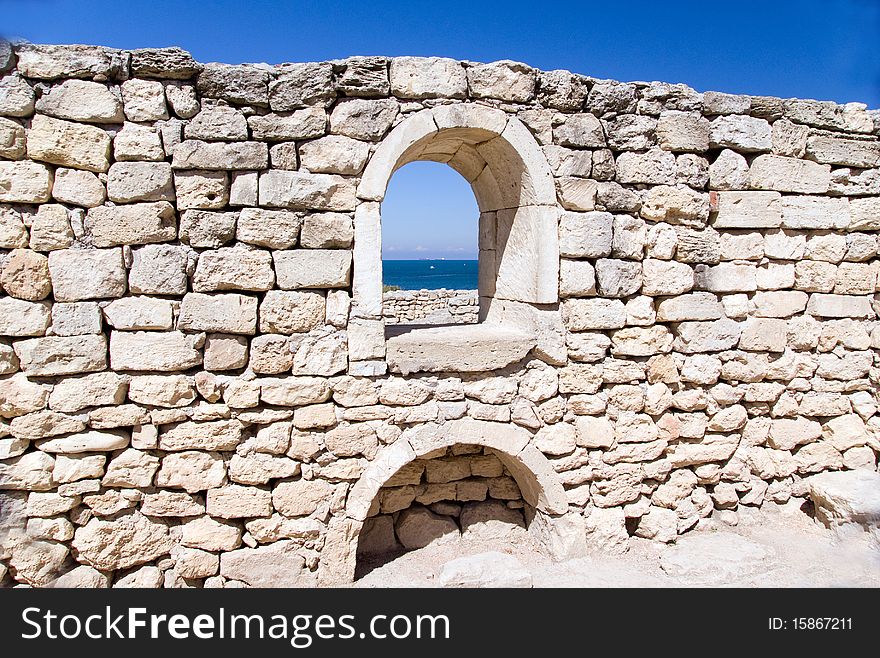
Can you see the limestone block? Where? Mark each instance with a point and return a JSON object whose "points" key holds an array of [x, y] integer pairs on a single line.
{"points": [[653, 167], [225, 352], [25, 275], [676, 205], [787, 433], [31, 471], [87, 274], [191, 471], [577, 278], [334, 154], [166, 63], [683, 131], [50, 228], [68, 144], [289, 312], [729, 171], [81, 100], [366, 339], [199, 228], [182, 100], [301, 124], [73, 394], [24, 182], [243, 84], [16, 97], [139, 223], [140, 181], [778, 304], [234, 501], [789, 138], [124, 542], [62, 355], [618, 278], [275, 229], [694, 306], [362, 76], [299, 85], [815, 276], [144, 100], [225, 313], [580, 131], [845, 497], [763, 335], [505, 80], [855, 279], [569, 162], [168, 351], [839, 306], [135, 142], [76, 319], [13, 233], [585, 235], [301, 190], [47, 62], [363, 119], [159, 270], [243, 189], [865, 214], [838, 151], [12, 140], [89, 441], [630, 234], [776, 172], [313, 268], [427, 77], [717, 336], [631, 132], [592, 314], [742, 133], [139, 313], [728, 277], [663, 277], [162, 390], [217, 123], [748, 210], [810, 212], [234, 268], [196, 154], [216, 435], [640, 341], [327, 230], [293, 391], [271, 354]]}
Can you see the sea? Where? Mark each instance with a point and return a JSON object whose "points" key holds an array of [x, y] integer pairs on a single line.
{"points": [[430, 274]]}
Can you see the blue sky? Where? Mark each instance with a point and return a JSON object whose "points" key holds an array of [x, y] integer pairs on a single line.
{"points": [[825, 49]]}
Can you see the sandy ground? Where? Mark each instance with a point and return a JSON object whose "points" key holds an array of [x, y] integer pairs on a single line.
{"points": [[771, 547]]}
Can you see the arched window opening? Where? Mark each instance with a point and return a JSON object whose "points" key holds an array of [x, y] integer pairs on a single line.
{"points": [[430, 225]]}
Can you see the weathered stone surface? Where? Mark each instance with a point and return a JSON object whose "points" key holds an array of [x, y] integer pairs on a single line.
{"points": [[275, 229], [234, 268], [12, 140], [299, 85], [302, 190], [427, 77], [276, 565], [87, 274], [774, 172], [161, 390], [16, 97], [24, 182], [741, 132], [676, 205], [68, 144], [313, 268], [57, 355], [192, 471], [226, 313], [160, 351], [126, 541], [81, 100], [25, 275], [714, 336], [139, 223], [591, 314], [159, 270], [50, 227], [217, 123], [363, 119], [196, 154], [846, 497], [244, 83], [31, 471]]}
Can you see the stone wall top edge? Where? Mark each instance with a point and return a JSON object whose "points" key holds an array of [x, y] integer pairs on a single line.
{"points": [[181, 54]]}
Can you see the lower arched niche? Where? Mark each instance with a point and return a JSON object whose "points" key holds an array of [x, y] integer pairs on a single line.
{"points": [[417, 490]]}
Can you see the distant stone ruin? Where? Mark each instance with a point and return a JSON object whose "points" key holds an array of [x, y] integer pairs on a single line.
{"points": [[677, 313]]}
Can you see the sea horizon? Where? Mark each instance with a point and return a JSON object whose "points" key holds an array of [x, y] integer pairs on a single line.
{"points": [[430, 273]]}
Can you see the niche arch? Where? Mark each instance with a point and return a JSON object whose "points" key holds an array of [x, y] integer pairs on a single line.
{"points": [[538, 482]]}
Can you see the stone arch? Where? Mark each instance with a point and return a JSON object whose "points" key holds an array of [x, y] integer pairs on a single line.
{"points": [[538, 483], [513, 185]]}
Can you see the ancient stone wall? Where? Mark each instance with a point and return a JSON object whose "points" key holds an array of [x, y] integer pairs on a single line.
{"points": [[677, 305], [430, 306]]}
